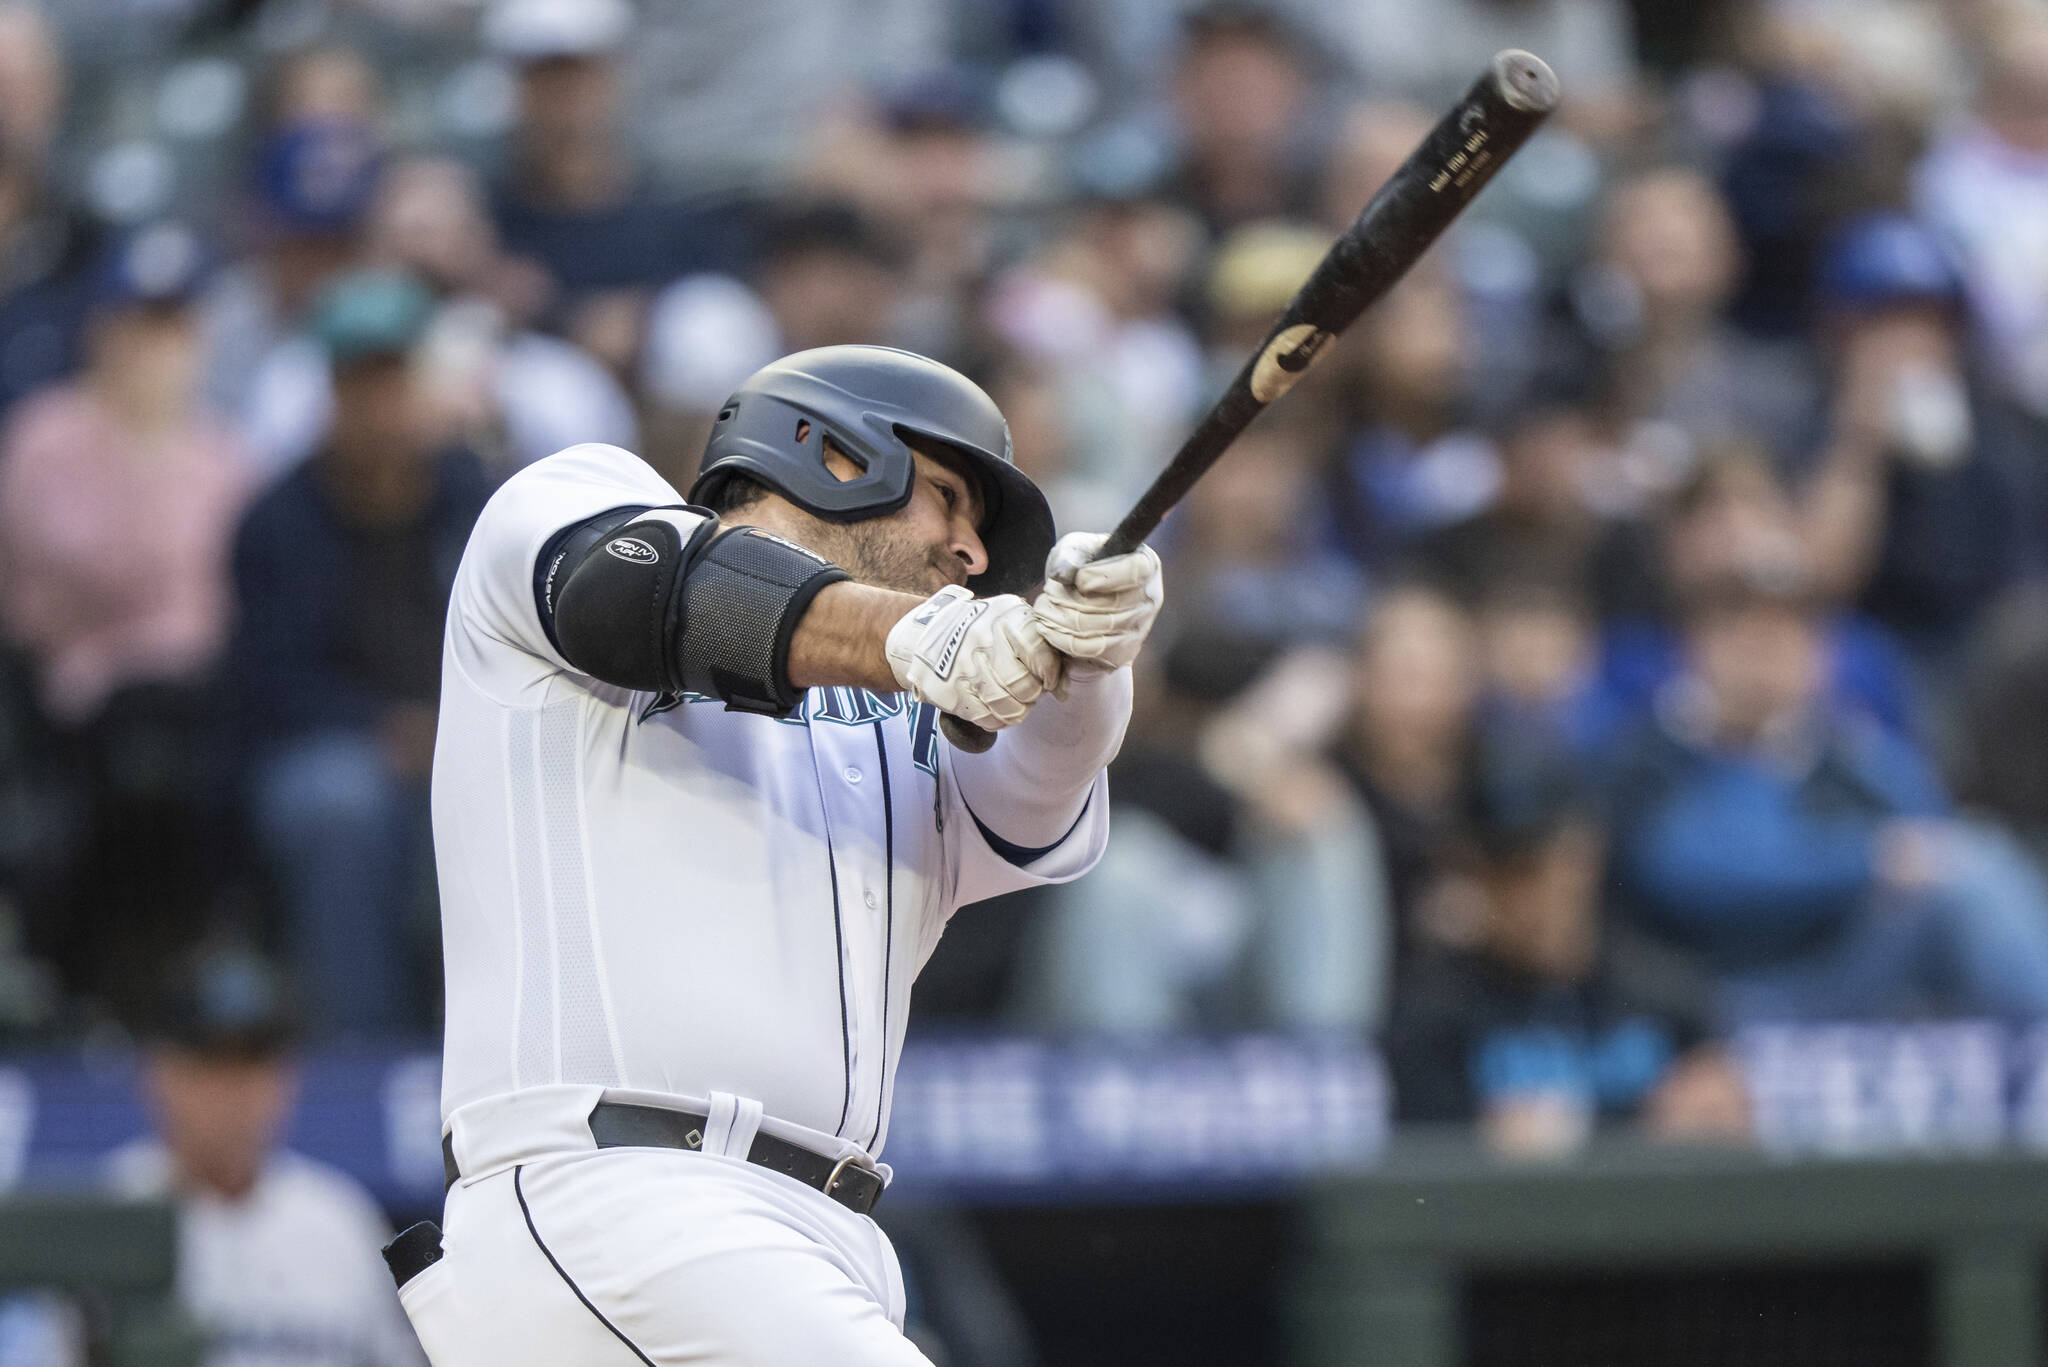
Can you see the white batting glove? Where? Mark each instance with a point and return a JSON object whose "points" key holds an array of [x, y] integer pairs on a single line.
{"points": [[981, 659], [1098, 613]]}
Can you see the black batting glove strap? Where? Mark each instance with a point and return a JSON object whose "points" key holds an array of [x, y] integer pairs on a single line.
{"points": [[743, 598]]}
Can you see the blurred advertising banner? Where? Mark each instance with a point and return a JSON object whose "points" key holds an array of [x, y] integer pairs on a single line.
{"points": [[1022, 1118], [1938, 1087], [1028, 1119]]}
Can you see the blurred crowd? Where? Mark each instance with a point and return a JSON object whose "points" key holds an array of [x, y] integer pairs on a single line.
{"points": [[1635, 627]]}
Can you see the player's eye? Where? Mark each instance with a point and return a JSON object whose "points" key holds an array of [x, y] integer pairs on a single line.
{"points": [[948, 493]]}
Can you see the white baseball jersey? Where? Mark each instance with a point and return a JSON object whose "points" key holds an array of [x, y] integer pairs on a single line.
{"points": [[650, 893], [286, 1276]]}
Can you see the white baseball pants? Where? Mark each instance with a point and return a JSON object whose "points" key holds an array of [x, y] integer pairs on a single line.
{"points": [[655, 1258]]}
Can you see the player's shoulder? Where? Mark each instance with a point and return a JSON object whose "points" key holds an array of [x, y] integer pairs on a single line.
{"points": [[591, 473], [593, 462]]}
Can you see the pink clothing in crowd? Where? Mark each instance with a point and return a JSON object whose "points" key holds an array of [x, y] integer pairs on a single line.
{"points": [[113, 546]]}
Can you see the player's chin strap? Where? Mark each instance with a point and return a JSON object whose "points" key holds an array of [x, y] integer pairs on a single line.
{"points": [[670, 603]]}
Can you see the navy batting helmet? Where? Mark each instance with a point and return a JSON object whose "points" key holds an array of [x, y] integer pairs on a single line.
{"points": [[867, 399]]}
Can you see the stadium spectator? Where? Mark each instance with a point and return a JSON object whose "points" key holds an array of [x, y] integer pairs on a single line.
{"points": [[277, 1254], [1242, 886], [1414, 463], [1096, 304], [1540, 665], [35, 83], [323, 83], [1810, 857], [928, 170], [1550, 1018], [2002, 766], [517, 392], [1652, 298], [1916, 509], [574, 202], [1545, 522], [1983, 190], [48, 246], [1733, 511], [343, 570], [127, 456], [1242, 91], [1414, 688], [313, 184], [1240, 562]]}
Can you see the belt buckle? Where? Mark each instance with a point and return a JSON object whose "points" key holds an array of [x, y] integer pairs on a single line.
{"points": [[856, 1160]]}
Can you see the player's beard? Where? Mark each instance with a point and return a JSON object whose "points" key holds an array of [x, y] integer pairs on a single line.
{"points": [[875, 553]]}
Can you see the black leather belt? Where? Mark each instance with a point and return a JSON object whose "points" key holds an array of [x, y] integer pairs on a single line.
{"points": [[623, 1125]]}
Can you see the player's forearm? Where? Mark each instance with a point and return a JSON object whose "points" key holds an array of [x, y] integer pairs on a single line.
{"points": [[1031, 788], [839, 641]]}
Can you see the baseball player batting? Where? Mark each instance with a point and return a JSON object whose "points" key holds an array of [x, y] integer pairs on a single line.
{"points": [[698, 828], [697, 832]]}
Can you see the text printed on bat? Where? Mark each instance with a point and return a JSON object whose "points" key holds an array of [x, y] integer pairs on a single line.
{"points": [[1464, 163], [1291, 352]]}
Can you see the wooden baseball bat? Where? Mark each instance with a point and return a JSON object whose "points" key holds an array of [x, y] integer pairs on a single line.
{"points": [[1508, 102]]}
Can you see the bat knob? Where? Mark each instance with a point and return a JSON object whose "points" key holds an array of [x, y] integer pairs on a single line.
{"points": [[965, 735], [1526, 81]]}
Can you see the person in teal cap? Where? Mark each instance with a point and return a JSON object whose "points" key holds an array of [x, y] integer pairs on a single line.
{"points": [[342, 570]]}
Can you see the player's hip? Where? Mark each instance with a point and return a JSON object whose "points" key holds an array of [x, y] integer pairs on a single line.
{"points": [[655, 1256]]}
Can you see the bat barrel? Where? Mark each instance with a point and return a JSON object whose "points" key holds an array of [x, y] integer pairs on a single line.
{"points": [[1503, 108], [1505, 105]]}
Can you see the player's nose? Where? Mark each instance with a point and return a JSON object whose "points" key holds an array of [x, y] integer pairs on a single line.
{"points": [[967, 545]]}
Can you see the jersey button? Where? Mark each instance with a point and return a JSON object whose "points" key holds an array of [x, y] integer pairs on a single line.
{"points": [[872, 900], [852, 774]]}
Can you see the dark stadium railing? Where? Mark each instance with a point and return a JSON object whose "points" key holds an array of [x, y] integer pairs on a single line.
{"points": [[118, 1257], [1647, 1256]]}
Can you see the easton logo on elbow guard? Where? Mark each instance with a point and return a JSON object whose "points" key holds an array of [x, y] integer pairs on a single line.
{"points": [[633, 549]]}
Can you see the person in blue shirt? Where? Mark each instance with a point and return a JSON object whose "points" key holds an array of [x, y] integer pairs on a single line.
{"points": [[1733, 504], [342, 571], [1530, 1009], [1807, 853]]}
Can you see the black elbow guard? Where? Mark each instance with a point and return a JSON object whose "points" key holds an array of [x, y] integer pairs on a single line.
{"points": [[659, 608]]}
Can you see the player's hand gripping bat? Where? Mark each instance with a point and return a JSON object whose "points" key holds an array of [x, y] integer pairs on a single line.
{"points": [[1468, 145]]}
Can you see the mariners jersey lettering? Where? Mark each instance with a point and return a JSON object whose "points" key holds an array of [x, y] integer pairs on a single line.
{"points": [[648, 892]]}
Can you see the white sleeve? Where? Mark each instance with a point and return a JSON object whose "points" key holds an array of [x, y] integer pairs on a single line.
{"points": [[494, 627], [1035, 808]]}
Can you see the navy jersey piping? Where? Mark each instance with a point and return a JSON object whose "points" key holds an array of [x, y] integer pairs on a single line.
{"points": [[839, 948], [519, 1190], [1021, 855], [889, 921]]}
